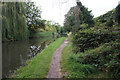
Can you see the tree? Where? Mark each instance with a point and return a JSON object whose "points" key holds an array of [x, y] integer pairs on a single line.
{"points": [[14, 26], [33, 16], [77, 16], [117, 14], [69, 20]]}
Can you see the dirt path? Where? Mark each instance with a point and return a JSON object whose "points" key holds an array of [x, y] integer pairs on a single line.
{"points": [[54, 71]]}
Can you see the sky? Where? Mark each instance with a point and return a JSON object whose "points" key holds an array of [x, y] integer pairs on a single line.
{"points": [[54, 10]]}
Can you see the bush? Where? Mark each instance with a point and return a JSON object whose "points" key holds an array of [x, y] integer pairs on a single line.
{"points": [[105, 58], [109, 23], [90, 39]]}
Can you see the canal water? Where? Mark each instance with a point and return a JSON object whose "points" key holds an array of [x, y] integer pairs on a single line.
{"points": [[15, 54]]}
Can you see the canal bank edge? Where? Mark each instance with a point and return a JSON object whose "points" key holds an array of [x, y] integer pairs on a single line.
{"points": [[38, 67]]}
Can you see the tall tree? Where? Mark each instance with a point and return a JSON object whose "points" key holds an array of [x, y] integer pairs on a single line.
{"points": [[14, 25], [33, 16], [77, 16]]}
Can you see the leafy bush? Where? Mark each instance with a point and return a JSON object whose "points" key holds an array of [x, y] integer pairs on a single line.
{"points": [[117, 14], [105, 58], [90, 39], [109, 23]]}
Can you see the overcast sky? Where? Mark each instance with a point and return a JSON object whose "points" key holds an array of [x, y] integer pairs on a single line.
{"points": [[55, 10]]}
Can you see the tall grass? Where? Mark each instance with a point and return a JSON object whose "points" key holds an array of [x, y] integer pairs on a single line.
{"points": [[72, 67]]}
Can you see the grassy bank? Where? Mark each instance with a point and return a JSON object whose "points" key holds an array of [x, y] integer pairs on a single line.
{"points": [[72, 67], [43, 34], [39, 65]]}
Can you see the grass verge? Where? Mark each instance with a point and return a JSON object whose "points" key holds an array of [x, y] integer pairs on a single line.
{"points": [[71, 66], [39, 65]]}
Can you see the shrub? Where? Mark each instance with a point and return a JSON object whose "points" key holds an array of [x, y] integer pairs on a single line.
{"points": [[105, 58], [109, 23], [90, 39]]}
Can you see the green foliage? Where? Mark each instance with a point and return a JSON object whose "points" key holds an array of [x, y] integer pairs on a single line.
{"points": [[89, 39], [47, 34], [13, 21], [86, 15], [70, 66], [33, 17], [107, 19], [109, 23], [105, 58], [117, 14], [97, 46], [77, 16], [56, 28]]}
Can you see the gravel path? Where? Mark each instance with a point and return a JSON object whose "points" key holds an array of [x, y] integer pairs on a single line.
{"points": [[54, 71]]}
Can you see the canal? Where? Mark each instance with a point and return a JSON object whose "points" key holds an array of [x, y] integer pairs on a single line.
{"points": [[15, 54]]}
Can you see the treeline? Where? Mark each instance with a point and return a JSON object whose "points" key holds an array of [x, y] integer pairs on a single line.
{"points": [[21, 20], [96, 39]]}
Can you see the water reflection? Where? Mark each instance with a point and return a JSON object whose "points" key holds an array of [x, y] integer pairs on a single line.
{"points": [[34, 50], [14, 54]]}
